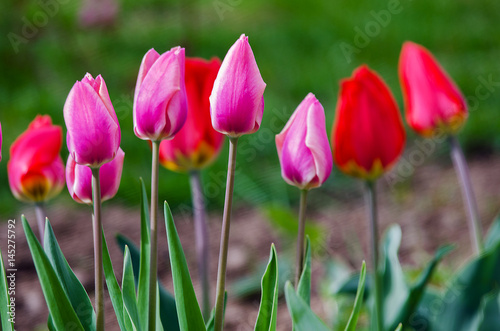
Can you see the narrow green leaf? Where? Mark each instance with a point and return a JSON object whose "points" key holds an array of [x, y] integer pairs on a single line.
{"points": [[268, 310], [114, 290], [489, 316], [63, 315], [211, 321], [143, 284], [5, 302], [493, 236], [353, 320], [74, 289], [188, 309], [168, 310], [304, 287], [400, 327], [303, 317], [128, 291]]}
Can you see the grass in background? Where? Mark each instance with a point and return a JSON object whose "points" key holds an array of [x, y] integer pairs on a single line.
{"points": [[297, 45]]}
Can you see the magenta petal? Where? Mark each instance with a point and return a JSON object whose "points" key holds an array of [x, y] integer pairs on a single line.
{"points": [[303, 147], [160, 100], [93, 132], [110, 175], [236, 102], [147, 62], [79, 179]]}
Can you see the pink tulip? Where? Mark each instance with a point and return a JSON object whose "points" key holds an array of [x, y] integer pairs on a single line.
{"points": [[160, 106], [93, 136], [35, 169], [237, 101], [303, 147], [79, 179]]}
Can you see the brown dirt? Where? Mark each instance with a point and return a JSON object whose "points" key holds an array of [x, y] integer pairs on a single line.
{"points": [[429, 209]]}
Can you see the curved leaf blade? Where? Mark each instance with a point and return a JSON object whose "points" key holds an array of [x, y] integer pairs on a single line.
{"points": [[353, 319], [77, 295], [63, 315], [268, 310], [4, 299], [188, 309], [303, 317], [128, 291], [304, 287]]}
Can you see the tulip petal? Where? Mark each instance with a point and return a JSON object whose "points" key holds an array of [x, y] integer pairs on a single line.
{"points": [[93, 133], [236, 102]]}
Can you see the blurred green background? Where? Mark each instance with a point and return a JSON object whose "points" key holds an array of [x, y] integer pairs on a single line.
{"points": [[300, 47]]}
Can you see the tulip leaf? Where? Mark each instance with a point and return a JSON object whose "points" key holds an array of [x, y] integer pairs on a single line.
{"points": [[188, 309], [353, 319], [211, 321], [493, 236], [268, 310], [5, 301], [303, 318], [128, 291], [396, 292], [489, 317], [168, 310], [60, 309], [114, 290], [144, 264], [467, 300], [74, 289], [304, 287], [400, 327]]}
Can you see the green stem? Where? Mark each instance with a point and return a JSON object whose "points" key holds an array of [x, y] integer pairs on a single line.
{"points": [[224, 243], [371, 201], [301, 236], [98, 268], [201, 238], [153, 275], [40, 218], [460, 164]]}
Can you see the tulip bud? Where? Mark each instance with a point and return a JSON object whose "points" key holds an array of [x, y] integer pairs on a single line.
{"points": [[79, 179], [237, 99], [197, 144], [368, 135], [93, 136], [433, 102], [160, 95], [35, 169], [303, 148]]}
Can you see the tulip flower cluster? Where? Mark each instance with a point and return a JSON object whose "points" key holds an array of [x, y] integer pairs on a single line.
{"points": [[184, 108]]}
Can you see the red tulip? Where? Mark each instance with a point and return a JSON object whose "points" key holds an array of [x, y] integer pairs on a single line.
{"points": [[368, 134], [197, 144], [35, 168], [432, 100], [79, 179]]}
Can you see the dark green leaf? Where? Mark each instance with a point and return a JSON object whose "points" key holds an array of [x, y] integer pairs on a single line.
{"points": [[493, 236], [489, 319], [71, 285], [353, 319], [63, 315], [168, 310], [303, 317], [268, 310], [114, 290], [188, 309], [5, 302], [144, 265], [128, 291], [304, 287]]}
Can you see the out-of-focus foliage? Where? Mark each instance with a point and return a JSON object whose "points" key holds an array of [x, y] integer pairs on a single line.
{"points": [[300, 46]]}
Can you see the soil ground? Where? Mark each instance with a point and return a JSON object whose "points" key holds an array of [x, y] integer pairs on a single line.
{"points": [[428, 207]]}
